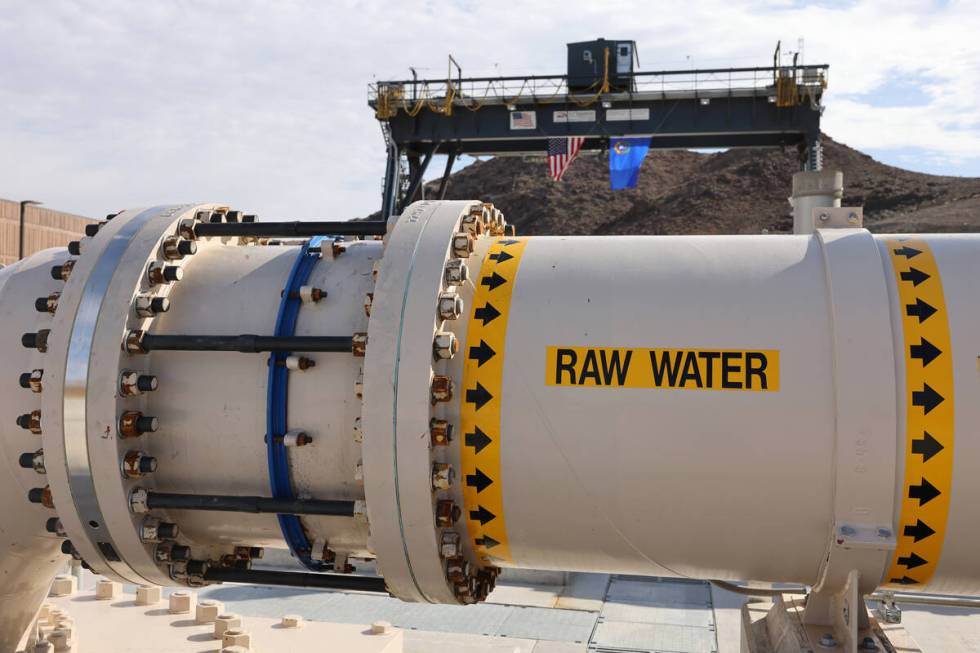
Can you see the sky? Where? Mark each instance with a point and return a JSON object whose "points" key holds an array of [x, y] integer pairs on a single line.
{"points": [[109, 104]]}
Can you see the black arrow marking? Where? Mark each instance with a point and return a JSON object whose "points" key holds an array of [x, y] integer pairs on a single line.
{"points": [[486, 542], [905, 580], [488, 314], [927, 398], [918, 532], [915, 276], [912, 561], [482, 515], [482, 353], [479, 396], [925, 492], [925, 351], [500, 257], [907, 252], [511, 241], [919, 309], [494, 281], [928, 446], [477, 439], [479, 480]]}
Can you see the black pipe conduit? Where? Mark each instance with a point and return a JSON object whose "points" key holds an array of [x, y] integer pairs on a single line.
{"points": [[164, 500], [297, 579], [246, 343], [291, 229]]}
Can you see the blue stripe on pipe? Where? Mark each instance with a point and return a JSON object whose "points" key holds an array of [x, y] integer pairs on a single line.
{"points": [[276, 419]]}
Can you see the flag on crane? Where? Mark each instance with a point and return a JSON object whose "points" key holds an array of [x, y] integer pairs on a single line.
{"points": [[625, 158], [561, 153]]}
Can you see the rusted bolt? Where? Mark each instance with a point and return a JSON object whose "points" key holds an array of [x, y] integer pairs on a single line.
{"points": [[456, 272], [63, 271], [37, 340], [449, 544], [159, 273], [170, 552], [33, 460], [442, 388], [133, 343], [359, 471], [444, 345], [457, 569], [443, 475], [359, 384], [138, 501], [359, 344], [450, 305], [296, 363], [462, 245], [368, 302], [137, 464], [133, 424], [296, 438], [31, 422], [47, 304], [338, 247], [203, 216], [308, 294], [185, 229], [440, 431], [133, 383], [34, 380], [41, 495], [175, 248], [447, 513], [358, 435], [472, 222], [148, 305]]}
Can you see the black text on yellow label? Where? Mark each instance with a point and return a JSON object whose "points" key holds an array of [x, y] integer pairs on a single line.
{"points": [[755, 370]]}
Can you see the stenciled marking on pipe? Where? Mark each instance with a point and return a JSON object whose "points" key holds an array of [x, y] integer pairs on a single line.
{"points": [[480, 403], [929, 414], [754, 370]]}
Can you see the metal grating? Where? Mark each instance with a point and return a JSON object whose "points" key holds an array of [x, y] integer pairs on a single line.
{"points": [[648, 615]]}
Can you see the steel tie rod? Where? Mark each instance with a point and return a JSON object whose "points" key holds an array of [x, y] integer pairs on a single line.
{"points": [[296, 579], [294, 229], [220, 503], [246, 343]]}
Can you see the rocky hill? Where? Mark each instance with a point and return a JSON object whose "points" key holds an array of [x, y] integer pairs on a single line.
{"points": [[736, 191]]}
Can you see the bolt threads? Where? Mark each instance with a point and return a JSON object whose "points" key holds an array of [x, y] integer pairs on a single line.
{"points": [[75, 248], [164, 274], [30, 422], [146, 383], [63, 271], [67, 548], [167, 531], [26, 460], [53, 525], [25, 380]]}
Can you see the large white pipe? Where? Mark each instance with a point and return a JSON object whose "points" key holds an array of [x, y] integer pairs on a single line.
{"points": [[749, 407]]}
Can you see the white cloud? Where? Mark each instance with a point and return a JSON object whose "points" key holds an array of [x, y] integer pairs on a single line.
{"points": [[110, 103]]}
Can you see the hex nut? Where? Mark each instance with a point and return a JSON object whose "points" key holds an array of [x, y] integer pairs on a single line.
{"points": [[182, 602], [462, 245], [450, 305], [292, 621], [138, 500], [106, 590], [442, 388], [148, 594], [440, 432], [225, 622], [236, 637], [449, 544], [359, 344], [64, 585], [444, 345], [60, 638], [456, 272], [207, 611], [443, 475]]}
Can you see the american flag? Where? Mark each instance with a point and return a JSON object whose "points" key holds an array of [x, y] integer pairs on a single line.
{"points": [[561, 153]]}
